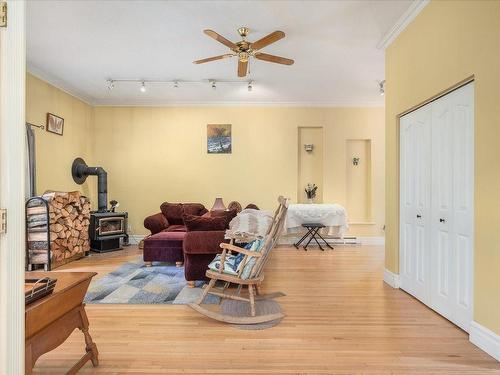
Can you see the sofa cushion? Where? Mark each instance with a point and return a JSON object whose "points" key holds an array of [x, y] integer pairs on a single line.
{"points": [[201, 223], [196, 209], [173, 212]]}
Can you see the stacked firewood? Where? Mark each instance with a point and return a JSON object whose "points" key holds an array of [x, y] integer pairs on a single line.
{"points": [[61, 218], [69, 215]]}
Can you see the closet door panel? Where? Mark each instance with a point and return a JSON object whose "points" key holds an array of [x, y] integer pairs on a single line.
{"points": [[463, 203], [415, 195], [441, 288]]}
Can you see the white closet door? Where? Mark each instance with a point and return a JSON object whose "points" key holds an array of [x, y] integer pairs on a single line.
{"points": [[452, 205], [415, 201], [436, 204]]}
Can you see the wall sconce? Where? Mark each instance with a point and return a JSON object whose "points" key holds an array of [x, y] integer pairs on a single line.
{"points": [[309, 147], [355, 161]]}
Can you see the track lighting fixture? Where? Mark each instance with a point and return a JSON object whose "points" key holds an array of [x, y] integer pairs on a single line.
{"points": [[381, 87], [176, 83]]}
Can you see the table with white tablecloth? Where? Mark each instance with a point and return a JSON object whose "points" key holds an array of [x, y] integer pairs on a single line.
{"points": [[332, 216]]}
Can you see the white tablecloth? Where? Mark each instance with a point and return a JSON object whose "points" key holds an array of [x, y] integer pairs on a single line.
{"points": [[332, 216]]}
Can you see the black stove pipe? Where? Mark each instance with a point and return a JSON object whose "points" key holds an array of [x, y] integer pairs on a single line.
{"points": [[80, 171]]}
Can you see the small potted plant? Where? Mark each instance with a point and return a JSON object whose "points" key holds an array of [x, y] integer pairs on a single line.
{"points": [[311, 192]]}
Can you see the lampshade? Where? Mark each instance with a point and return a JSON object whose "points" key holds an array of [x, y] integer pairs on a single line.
{"points": [[218, 205]]}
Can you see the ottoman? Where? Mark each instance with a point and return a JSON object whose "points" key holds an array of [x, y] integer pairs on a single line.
{"points": [[164, 247]]}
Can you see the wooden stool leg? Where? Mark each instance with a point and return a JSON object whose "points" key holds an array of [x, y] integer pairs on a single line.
{"points": [[148, 264], [191, 284], [90, 346], [252, 300], [179, 264]]}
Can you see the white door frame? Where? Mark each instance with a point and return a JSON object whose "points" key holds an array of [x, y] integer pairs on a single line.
{"points": [[12, 187]]}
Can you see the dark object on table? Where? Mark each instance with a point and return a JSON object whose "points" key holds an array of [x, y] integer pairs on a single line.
{"points": [[37, 288], [312, 233]]}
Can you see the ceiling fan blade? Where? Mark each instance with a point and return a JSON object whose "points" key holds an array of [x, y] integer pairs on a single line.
{"points": [[273, 58], [220, 39], [242, 68], [267, 40], [208, 59]]}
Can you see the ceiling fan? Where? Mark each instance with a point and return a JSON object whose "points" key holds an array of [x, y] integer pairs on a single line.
{"points": [[245, 49]]}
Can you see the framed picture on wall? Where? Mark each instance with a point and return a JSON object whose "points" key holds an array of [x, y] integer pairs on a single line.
{"points": [[219, 139], [55, 124]]}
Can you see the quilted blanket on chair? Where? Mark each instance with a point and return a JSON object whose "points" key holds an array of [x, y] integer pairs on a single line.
{"points": [[249, 225]]}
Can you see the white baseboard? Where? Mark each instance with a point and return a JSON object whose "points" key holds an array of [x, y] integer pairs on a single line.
{"points": [[349, 240], [391, 279], [375, 241], [485, 339]]}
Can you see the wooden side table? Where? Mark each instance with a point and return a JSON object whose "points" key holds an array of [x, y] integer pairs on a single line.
{"points": [[50, 320]]}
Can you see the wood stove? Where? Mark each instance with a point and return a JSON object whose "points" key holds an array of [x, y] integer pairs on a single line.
{"points": [[107, 227]]}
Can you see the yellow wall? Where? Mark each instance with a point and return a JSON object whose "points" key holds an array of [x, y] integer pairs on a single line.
{"points": [[155, 154], [446, 43], [55, 153]]}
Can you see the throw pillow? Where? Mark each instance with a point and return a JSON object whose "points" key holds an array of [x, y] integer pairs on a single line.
{"points": [[173, 212], [201, 223]]}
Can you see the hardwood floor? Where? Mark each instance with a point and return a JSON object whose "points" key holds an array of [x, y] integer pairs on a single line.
{"points": [[341, 319]]}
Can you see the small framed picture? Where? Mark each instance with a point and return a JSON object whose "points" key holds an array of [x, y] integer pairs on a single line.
{"points": [[219, 139], [55, 124]]}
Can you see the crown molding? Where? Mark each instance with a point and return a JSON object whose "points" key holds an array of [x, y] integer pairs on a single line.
{"points": [[401, 24], [58, 83], [332, 104]]}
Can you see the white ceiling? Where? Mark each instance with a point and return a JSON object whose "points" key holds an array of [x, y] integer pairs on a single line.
{"points": [[77, 45]]}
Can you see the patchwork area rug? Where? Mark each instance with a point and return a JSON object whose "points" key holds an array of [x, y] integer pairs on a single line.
{"points": [[134, 283]]}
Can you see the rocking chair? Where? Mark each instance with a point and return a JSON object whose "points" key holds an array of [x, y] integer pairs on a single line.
{"points": [[250, 274]]}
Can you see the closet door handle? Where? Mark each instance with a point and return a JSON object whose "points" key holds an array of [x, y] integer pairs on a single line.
{"points": [[442, 220], [419, 216]]}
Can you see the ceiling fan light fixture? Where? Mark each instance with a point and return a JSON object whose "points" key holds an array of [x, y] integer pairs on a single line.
{"points": [[143, 86]]}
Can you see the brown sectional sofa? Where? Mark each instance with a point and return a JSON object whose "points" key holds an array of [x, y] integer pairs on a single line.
{"points": [[170, 241]]}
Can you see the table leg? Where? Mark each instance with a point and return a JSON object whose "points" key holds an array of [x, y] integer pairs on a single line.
{"points": [[327, 244], [90, 346], [310, 239], [315, 239], [297, 244]]}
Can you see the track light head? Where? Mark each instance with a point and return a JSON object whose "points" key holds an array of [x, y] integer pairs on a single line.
{"points": [[214, 86], [249, 86], [176, 84], [110, 84], [143, 86], [381, 87]]}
